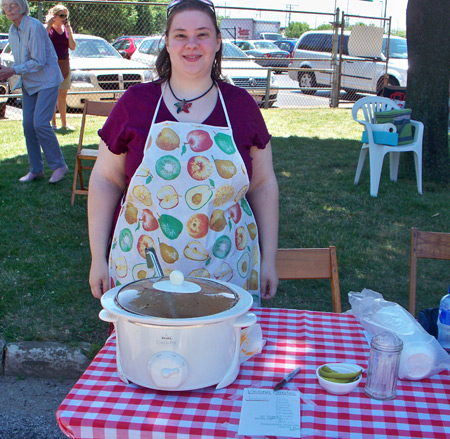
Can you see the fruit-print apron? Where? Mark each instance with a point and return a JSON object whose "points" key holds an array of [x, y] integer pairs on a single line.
{"points": [[187, 200]]}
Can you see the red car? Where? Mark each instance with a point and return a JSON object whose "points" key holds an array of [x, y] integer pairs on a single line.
{"points": [[127, 44]]}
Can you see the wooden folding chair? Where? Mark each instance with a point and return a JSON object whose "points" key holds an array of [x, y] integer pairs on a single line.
{"points": [[311, 263], [91, 108], [426, 245]]}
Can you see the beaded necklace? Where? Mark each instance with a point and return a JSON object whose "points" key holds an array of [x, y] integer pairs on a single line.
{"points": [[185, 104]]}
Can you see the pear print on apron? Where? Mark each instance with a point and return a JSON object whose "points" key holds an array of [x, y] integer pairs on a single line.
{"points": [[187, 201]]}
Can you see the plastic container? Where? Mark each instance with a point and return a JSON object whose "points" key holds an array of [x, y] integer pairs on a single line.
{"points": [[443, 322], [384, 361], [339, 388], [417, 360]]}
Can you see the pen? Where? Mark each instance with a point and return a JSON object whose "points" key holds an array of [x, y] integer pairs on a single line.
{"points": [[287, 378]]}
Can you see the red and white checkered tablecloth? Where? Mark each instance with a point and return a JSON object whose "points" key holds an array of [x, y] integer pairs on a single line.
{"points": [[100, 406]]}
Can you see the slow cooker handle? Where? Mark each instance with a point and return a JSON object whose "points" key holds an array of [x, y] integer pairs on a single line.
{"points": [[107, 317], [245, 320], [231, 374]]}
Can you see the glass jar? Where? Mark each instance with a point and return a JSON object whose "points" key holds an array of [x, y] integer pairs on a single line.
{"points": [[382, 373]]}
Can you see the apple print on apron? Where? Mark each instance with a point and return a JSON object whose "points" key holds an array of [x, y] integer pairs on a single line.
{"points": [[187, 201]]}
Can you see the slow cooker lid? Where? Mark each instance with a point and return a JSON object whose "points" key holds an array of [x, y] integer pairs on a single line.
{"points": [[175, 297]]}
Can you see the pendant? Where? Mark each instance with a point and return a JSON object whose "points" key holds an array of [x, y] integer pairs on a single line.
{"points": [[183, 106]]}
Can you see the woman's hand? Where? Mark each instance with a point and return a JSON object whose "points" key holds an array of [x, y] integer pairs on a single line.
{"points": [[6, 73], [50, 23], [268, 279], [99, 278]]}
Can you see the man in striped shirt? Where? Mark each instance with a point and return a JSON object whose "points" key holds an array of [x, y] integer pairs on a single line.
{"points": [[36, 63]]}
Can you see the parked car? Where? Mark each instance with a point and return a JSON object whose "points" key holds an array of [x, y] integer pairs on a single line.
{"points": [[271, 54], [96, 67], [3, 85], [3, 101], [242, 72], [359, 74], [148, 50], [126, 45], [245, 73], [270, 36], [287, 45], [3, 44]]}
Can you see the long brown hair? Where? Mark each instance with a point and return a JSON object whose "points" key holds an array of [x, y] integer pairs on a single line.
{"points": [[163, 64]]}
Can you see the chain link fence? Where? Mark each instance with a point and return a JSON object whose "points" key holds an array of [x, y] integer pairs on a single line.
{"points": [[342, 58]]}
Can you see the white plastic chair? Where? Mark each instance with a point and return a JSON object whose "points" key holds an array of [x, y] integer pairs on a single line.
{"points": [[368, 106]]}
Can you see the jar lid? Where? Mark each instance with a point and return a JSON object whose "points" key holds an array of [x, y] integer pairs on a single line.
{"points": [[387, 341], [176, 298]]}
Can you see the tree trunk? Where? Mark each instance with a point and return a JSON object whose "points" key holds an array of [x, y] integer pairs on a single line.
{"points": [[427, 92]]}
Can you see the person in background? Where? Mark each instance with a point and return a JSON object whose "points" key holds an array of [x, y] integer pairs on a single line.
{"points": [[36, 63], [60, 33], [185, 166]]}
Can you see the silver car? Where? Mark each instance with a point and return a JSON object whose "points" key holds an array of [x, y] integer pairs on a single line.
{"points": [[98, 71], [267, 54], [148, 51], [97, 66]]}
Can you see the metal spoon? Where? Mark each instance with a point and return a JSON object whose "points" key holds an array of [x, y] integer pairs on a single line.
{"points": [[152, 262]]}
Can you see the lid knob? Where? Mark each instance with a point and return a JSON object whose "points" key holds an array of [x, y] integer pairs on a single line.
{"points": [[176, 277], [176, 284]]}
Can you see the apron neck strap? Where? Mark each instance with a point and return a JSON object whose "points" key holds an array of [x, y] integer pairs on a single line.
{"points": [[163, 87], [224, 108]]}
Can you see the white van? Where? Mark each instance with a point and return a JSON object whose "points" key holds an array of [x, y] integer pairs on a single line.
{"points": [[359, 73]]}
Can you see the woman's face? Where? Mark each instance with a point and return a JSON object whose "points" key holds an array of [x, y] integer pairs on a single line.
{"points": [[11, 9], [61, 17], [192, 43]]}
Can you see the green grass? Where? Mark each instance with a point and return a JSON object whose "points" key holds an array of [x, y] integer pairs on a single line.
{"points": [[44, 253]]}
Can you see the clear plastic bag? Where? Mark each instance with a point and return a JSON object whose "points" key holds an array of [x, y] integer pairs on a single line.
{"points": [[422, 356]]}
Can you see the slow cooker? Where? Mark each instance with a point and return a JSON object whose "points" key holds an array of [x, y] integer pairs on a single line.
{"points": [[178, 334]]}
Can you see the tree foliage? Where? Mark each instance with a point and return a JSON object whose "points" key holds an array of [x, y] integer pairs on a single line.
{"points": [[296, 29], [399, 33], [4, 24], [325, 26], [106, 20], [357, 24], [428, 86]]}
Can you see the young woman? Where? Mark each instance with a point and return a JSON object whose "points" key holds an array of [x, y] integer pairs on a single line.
{"points": [[60, 33], [185, 166]]}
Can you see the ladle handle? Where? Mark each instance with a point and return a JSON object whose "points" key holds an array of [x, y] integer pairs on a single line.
{"points": [[152, 261]]}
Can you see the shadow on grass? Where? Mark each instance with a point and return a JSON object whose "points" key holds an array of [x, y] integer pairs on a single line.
{"points": [[320, 206], [45, 263]]}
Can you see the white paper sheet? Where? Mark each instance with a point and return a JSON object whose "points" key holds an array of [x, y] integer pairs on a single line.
{"points": [[265, 412]]}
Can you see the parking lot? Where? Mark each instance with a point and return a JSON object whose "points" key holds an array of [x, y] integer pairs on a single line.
{"points": [[288, 98]]}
